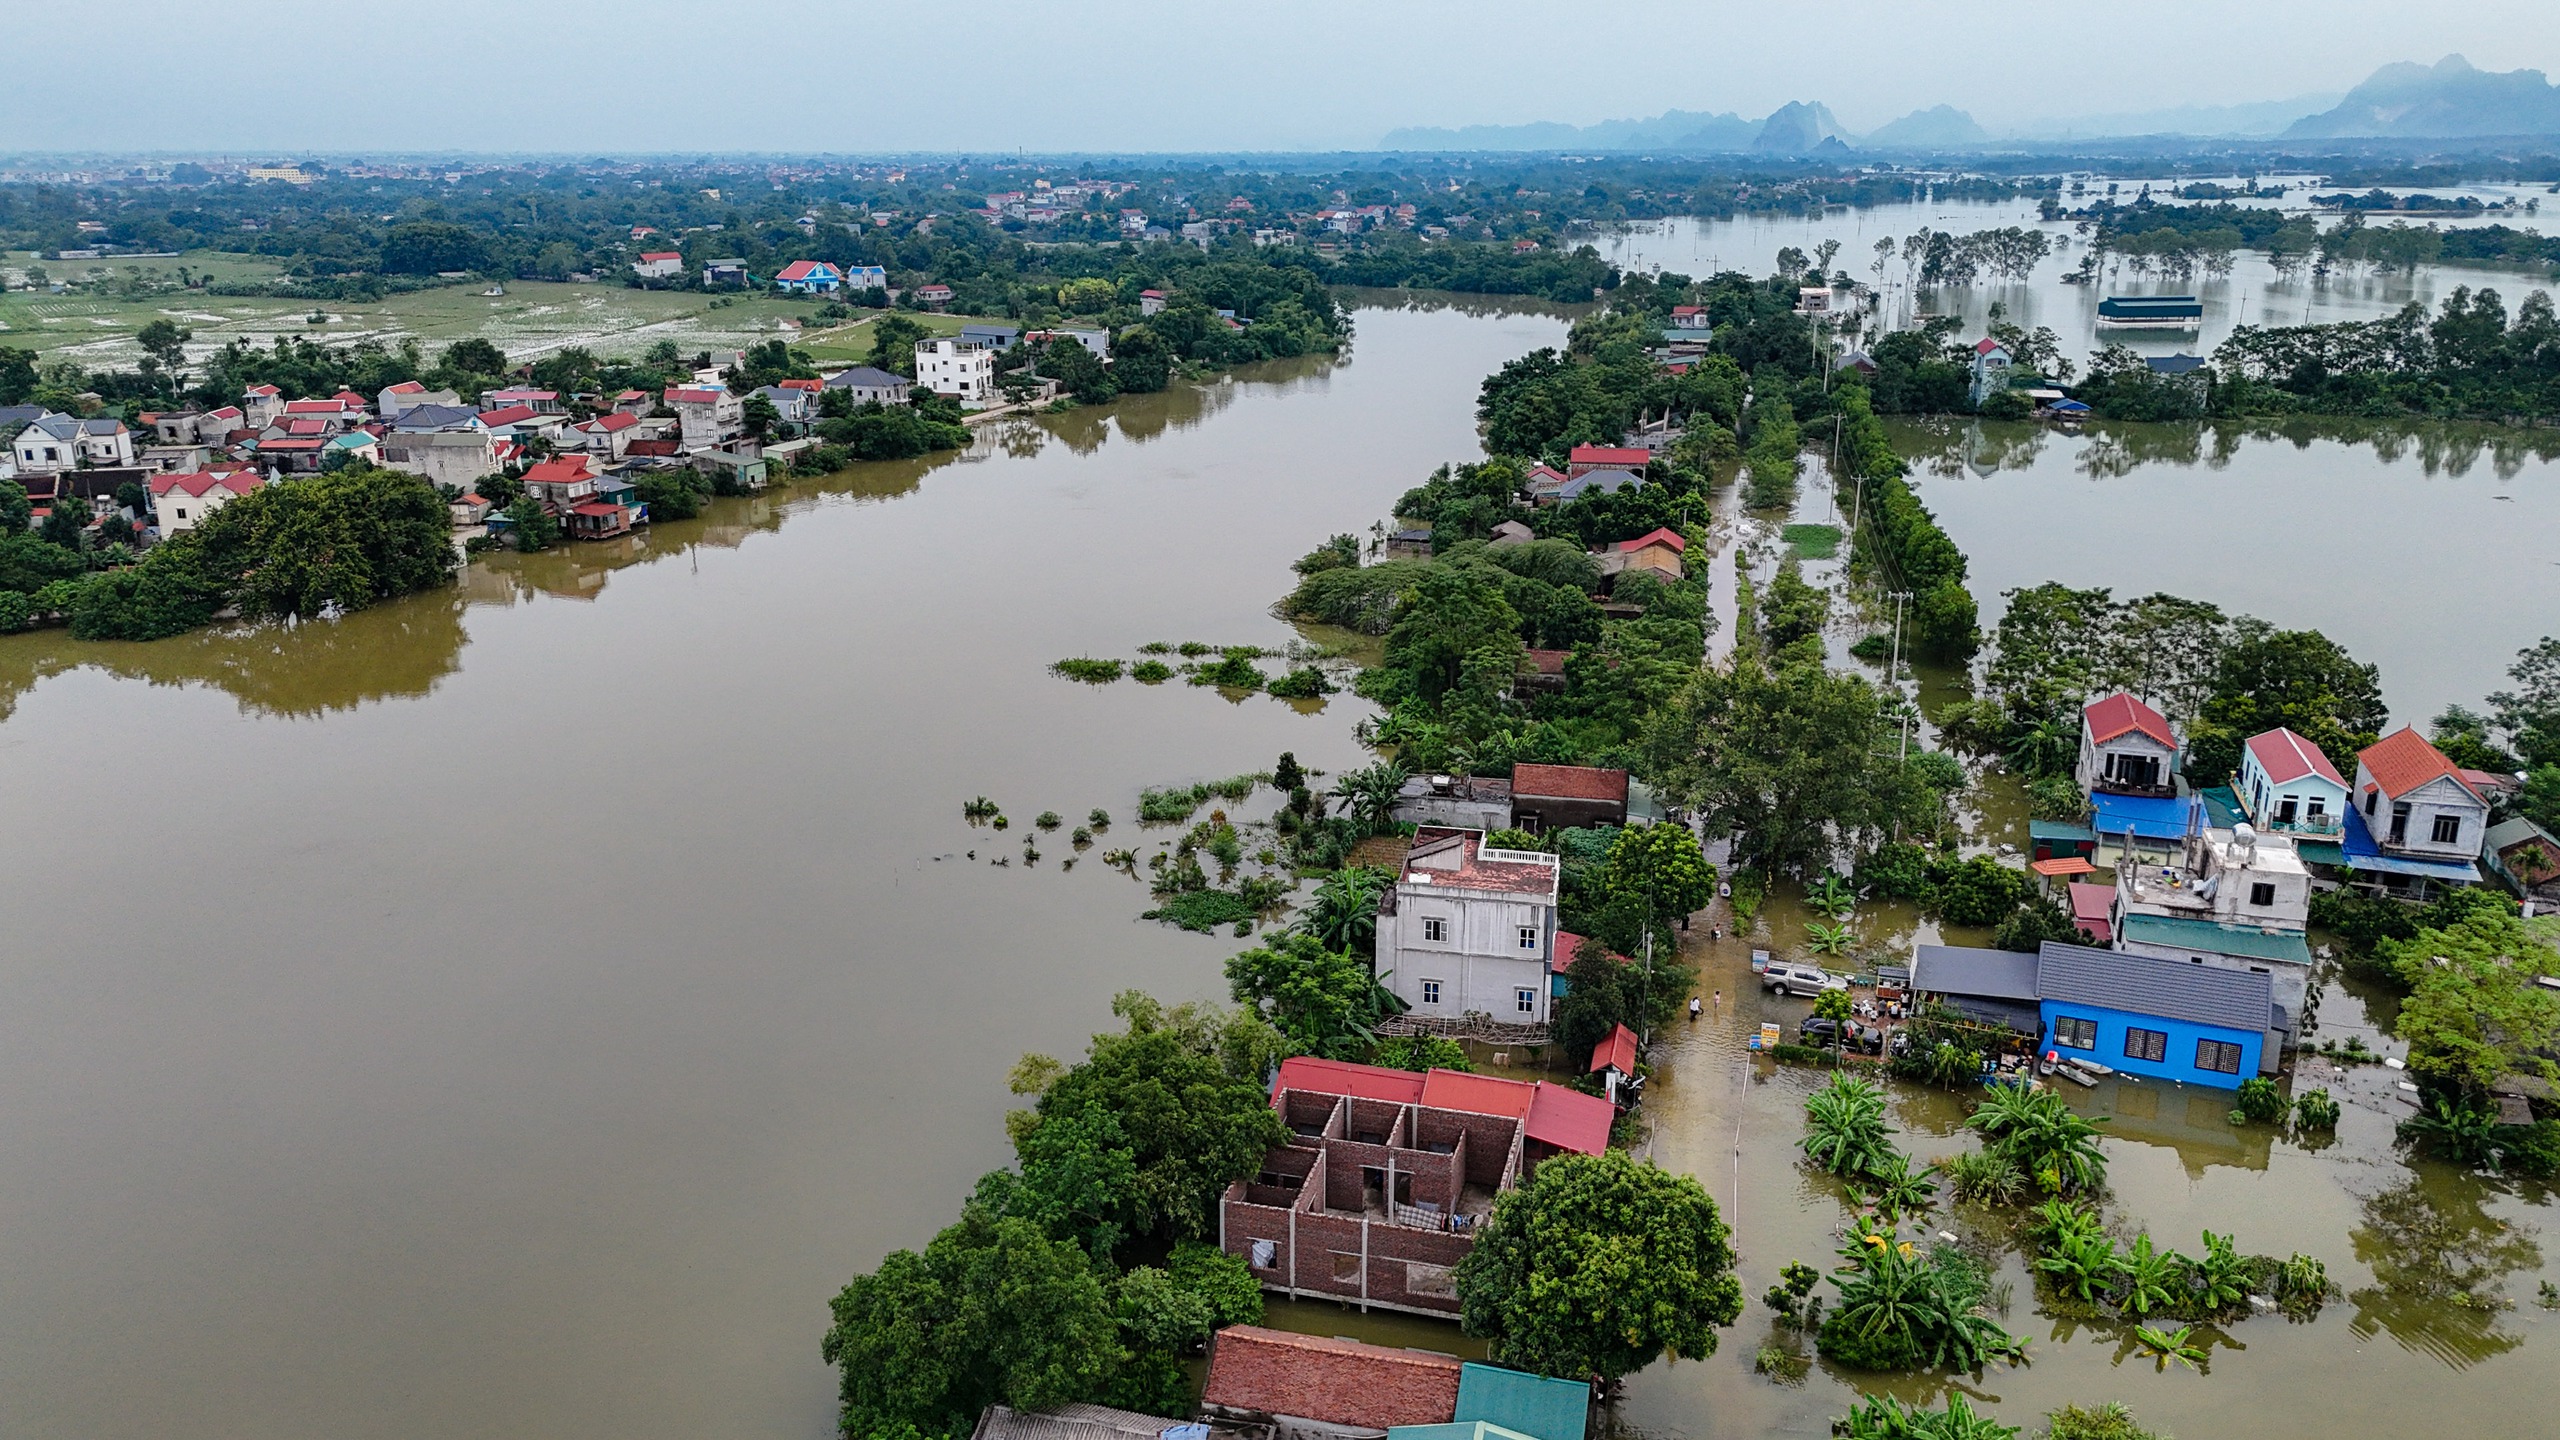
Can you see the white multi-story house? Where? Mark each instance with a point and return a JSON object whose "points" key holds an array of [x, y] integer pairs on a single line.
{"points": [[659, 264], [2228, 899], [1991, 366], [2126, 748], [956, 368], [59, 442], [710, 415], [2287, 785], [180, 503], [1470, 929], [2415, 804]]}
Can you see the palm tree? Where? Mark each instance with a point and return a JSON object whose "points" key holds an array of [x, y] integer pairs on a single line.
{"points": [[1370, 793], [1844, 1129], [2044, 747], [2222, 1277], [2054, 1142]]}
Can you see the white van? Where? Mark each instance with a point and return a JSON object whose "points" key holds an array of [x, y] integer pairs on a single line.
{"points": [[1802, 981]]}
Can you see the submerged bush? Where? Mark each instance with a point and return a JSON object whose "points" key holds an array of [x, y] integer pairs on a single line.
{"points": [[1304, 683], [1092, 672], [1151, 672]]}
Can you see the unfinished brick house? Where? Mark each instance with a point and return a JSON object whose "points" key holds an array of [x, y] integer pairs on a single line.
{"points": [[1377, 1198]]}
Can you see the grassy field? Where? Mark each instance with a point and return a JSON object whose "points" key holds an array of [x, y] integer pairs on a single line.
{"points": [[533, 318]]}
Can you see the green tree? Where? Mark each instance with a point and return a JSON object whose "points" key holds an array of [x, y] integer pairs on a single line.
{"points": [[1453, 612], [1343, 912], [1660, 870], [1598, 1266], [2299, 679], [535, 529], [1324, 1001], [893, 343], [759, 417], [1087, 296], [1844, 1129], [992, 1312], [67, 523], [165, 341], [2476, 1010], [1140, 360]]}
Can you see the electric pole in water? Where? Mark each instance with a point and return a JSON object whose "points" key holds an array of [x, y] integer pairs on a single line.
{"points": [[1893, 673]]}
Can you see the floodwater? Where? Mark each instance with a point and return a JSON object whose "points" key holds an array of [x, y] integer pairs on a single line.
{"points": [[516, 1011], [2432, 551], [2251, 294]]}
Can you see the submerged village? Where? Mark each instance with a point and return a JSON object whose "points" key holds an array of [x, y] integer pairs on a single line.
{"points": [[1746, 980]]}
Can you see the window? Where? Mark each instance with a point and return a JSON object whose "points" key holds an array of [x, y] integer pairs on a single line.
{"points": [[1527, 999], [2218, 1056], [2447, 830], [1433, 1280], [1528, 937], [1430, 992], [1435, 930], [2075, 1034], [2145, 1044], [2399, 821], [1346, 1267], [2368, 804], [2317, 807], [2262, 894]]}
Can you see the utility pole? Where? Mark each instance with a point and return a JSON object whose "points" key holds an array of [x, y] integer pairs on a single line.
{"points": [[1893, 676]]}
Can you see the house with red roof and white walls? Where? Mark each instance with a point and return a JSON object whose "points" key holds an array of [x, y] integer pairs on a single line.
{"points": [[2126, 748], [659, 264], [179, 503], [2417, 819], [260, 405]]}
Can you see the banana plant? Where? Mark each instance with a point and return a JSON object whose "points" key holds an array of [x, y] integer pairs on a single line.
{"points": [[2166, 1345], [1824, 939]]}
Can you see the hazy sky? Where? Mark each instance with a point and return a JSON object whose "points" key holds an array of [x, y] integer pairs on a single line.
{"points": [[856, 75]]}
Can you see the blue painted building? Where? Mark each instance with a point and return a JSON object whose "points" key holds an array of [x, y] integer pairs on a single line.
{"points": [[2197, 1024]]}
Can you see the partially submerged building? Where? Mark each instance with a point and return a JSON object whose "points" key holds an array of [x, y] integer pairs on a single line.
{"points": [[1377, 1196]]}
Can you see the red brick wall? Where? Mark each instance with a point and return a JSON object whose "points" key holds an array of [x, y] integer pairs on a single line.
{"points": [[1340, 1382]]}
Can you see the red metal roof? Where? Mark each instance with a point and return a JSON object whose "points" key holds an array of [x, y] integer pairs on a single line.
{"points": [[1569, 782], [1341, 1077], [558, 471], [1477, 1094], [1609, 455], [2091, 901], [661, 254], [2121, 714], [694, 395], [1569, 1119], [1567, 947], [1549, 662], [196, 483], [285, 444], [1334, 1381], [2404, 760], [406, 387], [2287, 757], [598, 509], [803, 269], [813, 386], [262, 390], [314, 407], [507, 415], [1618, 1052], [618, 420], [1985, 346], [1665, 536]]}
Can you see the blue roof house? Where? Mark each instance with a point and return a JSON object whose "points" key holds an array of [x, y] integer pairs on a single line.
{"points": [[2196, 1024]]}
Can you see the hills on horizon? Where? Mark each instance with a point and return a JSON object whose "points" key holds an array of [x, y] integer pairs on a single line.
{"points": [[2448, 100]]}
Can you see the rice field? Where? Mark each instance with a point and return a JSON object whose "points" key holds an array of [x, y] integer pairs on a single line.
{"points": [[531, 319]]}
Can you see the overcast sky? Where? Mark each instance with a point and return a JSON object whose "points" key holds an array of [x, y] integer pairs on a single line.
{"points": [[1163, 75]]}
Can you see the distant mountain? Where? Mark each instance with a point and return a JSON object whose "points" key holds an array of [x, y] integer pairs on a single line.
{"points": [[1796, 128], [1671, 130], [2254, 120], [2447, 99], [1936, 128]]}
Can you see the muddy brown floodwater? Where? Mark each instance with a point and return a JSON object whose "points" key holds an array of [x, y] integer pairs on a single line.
{"points": [[516, 1011]]}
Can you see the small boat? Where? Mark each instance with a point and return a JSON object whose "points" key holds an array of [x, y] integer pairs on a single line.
{"points": [[2076, 1076], [2091, 1068], [2044, 1066]]}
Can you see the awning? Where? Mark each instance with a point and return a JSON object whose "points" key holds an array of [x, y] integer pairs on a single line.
{"points": [[2145, 817], [2364, 855], [2061, 866]]}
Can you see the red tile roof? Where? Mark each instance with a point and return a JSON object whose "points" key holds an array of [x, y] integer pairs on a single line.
{"points": [[507, 415], [596, 508], [2091, 902], [2287, 757], [661, 254], [1549, 662], [1609, 455], [1618, 1052], [1569, 1119], [406, 387], [1341, 1077], [196, 483], [2121, 714], [1679, 310], [1567, 947], [2404, 760], [289, 444], [314, 407], [803, 269], [1985, 346], [1337, 1382], [608, 424], [306, 427], [812, 386], [262, 390], [1569, 782], [694, 394], [559, 471], [1663, 536]]}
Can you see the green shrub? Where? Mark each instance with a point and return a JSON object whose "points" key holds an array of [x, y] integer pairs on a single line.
{"points": [[2260, 1102], [1092, 672], [2316, 1110], [1151, 672], [1303, 683]]}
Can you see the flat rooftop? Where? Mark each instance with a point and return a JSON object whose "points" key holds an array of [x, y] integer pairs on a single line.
{"points": [[1460, 860]]}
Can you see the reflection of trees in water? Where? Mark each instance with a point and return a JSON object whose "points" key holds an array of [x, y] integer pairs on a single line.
{"points": [[2437, 1257], [2113, 450], [400, 649], [1995, 446], [1427, 302]]}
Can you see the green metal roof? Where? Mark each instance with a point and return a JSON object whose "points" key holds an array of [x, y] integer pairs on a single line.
{"points": [[2222, 807], [1459, 1430], [1514, 1400], [2320, 852], [2061, 830], [2215, 938]]}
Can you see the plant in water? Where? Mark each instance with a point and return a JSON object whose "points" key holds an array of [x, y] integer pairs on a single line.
{"points": [[2260, 1102], [1896, 1190], [978, 809], [1844, 1129], [1881, 1417], [1100, 819], [2110, 1421], [1787, 1367], [1001, 823], [1831, 895], [2164, 1346], [1048, 820], [1151, 672], [2048, 1139], [1901, 1309], [2221, 1278], [1030, 856], [1824, 939], [2081, 1264], [2316, 1110], [2152, 1279], [1988, 1177], [2302, 1283], [1091, 671], [1080, 837], [2450, 1130]]}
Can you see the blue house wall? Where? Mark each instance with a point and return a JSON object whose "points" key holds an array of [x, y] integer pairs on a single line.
{"points": [[2178, 1056]]}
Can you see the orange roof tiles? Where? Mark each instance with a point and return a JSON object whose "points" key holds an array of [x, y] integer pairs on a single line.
{"points": [[2404, 760], [2120, 714]]}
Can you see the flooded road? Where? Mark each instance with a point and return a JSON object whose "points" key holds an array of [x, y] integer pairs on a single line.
{"points": [[516, 1011]]}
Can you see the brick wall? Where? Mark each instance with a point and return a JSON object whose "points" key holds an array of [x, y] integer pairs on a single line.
{"points": [[1253, 1371]]}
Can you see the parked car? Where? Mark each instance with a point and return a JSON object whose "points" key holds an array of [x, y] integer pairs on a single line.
{"points": [[1803, 981], [1822, 1030]]}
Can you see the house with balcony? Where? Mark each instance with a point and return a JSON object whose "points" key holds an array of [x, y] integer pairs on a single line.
{"points": [[2286, 786], [959, 369], [708, 414], [1377, 1195], [1468, 931], [2417, 822], [2231, 900], [2126, 748]]}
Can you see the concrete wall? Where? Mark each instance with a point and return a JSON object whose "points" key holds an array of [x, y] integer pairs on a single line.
{"points": [[2178, 1057]]}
